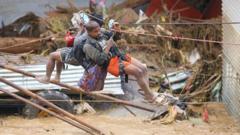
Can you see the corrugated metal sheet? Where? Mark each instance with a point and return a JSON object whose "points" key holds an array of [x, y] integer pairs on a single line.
{"points": [[69, 76], [230, 8], [231, 59]]}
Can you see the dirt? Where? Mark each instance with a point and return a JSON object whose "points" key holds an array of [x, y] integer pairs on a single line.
{"points": [[220, 124], [29, 25]]}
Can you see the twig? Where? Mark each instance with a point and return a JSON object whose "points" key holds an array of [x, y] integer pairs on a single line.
{"points": [[165, 73], [204, 89]]}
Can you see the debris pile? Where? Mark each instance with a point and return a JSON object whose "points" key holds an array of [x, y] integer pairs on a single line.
{"points": [[190, 70], [29, 25], [182, 70]]}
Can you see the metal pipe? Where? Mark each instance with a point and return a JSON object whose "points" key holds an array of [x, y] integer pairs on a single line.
{"points": [[46, 110], [79, 90], [56, 108]]}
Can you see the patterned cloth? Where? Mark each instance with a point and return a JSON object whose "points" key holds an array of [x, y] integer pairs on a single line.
{"points": [[93, 79]]}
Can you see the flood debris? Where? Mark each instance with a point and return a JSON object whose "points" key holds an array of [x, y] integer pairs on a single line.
{"points": [[21, 59], [171, 116], [126, 16], [172, 109], [57, 110], [23, 45], [183, 71], [84, 107], [28, 25], [198, 77], [175, 80]]}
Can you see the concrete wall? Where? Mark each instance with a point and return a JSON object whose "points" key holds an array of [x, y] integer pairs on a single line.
{"points": [[231, 57]]}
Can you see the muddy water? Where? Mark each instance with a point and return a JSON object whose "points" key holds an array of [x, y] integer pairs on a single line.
{"points": [[116, 126], [219, 124], [12, 9]]}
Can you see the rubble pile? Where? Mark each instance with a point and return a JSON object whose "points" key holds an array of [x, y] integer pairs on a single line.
{"points": [[29, 25], [188, 70]]}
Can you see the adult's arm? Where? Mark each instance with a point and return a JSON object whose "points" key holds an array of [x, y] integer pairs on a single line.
{"points": [[100, 58]]}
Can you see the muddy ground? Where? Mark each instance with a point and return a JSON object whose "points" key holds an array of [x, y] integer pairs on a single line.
{"points": [[220, 124], [117, 121]]}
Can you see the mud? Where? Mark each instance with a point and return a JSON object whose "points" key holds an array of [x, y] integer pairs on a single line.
{"points": [[220, 124]]}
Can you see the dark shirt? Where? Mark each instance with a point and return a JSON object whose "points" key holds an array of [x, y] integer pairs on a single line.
{"points": [[89, 51], [93, 49]]}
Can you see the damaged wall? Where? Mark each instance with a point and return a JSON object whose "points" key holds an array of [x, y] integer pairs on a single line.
{"points": [[231, 56]]}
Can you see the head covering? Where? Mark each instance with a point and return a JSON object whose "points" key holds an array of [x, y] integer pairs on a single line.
{"points": [[111, 23], [79, 18], [97, 18], [84, 18]]}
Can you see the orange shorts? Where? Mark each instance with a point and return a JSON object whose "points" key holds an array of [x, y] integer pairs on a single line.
{"points": [[113, 67]]}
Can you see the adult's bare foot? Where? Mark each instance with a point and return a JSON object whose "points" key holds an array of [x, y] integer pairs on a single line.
{"points": [[156, 99], [43, 79], [57, 78]]}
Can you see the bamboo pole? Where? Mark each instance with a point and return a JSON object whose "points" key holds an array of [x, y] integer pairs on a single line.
{"points": [[46, 110], [79, 90], [26, 43], [56, 108]]}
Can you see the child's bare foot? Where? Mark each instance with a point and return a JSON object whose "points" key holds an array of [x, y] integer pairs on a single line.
{"points": [[43, 79]]}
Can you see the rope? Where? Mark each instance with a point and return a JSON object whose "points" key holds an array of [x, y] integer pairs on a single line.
{"points": [[181, 38], [174, 23], [176, 37], [185, 23]]}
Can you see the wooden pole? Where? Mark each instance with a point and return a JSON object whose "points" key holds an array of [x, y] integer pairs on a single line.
{"points": [[56, 108], [26, 43], [79, 90], [46, 110]]}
